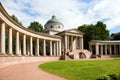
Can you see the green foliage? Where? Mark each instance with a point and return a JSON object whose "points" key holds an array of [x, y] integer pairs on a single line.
{"points": [[16, 19], [94, 32], [82, 70], [105, 77], [111, 76], [36, 26], [115, 36]]}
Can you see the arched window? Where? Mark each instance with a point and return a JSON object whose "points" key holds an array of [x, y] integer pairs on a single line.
{"points": [[51, 26]]}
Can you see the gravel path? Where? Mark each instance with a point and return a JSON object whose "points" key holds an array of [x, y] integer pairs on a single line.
{"points": [[26, 71]]}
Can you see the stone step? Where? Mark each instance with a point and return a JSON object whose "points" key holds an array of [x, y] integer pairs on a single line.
{"points": [[77, 53]]}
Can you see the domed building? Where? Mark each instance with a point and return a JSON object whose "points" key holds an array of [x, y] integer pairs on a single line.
{"points": [[53, 26], [56, 44]]}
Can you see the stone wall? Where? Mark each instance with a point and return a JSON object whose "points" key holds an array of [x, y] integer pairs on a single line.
{"points": [[11, 60]]}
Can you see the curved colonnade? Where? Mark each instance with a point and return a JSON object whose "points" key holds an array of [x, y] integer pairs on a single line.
{"points": [[16, 40]]}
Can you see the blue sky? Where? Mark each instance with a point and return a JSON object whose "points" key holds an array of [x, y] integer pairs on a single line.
{"points": [[72, 13]]}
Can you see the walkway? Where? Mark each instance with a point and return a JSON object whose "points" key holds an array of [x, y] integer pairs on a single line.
{"points": [[26, 71]]}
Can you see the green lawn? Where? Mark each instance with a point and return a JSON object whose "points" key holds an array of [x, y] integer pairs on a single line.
{"points": [[82, 69]]}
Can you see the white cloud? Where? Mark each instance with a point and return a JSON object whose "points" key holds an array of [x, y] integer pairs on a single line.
{"points": [[72, 13]]}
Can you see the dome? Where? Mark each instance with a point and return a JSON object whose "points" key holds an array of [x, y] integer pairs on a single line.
{"points": [[54, 24], [53, 20]]}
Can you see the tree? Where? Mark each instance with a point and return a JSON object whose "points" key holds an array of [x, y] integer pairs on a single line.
{"points": [[36, 26], [115, 36], [16, 19], [94, 32]]}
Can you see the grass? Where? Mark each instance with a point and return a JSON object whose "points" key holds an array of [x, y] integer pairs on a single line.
{"points": [[83, 69]]}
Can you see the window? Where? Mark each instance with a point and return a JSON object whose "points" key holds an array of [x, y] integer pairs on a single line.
{"points": [[51, 26], [58, 26]]}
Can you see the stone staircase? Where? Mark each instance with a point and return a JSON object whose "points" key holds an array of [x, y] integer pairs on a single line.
{"points": [[78, 54]]}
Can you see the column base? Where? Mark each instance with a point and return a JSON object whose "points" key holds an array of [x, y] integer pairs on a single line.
{"points": [[44, 55], [37, 55], [30, 55], [3, 54], [25, 55], [17, 55], [10, 54], [51, 55]]}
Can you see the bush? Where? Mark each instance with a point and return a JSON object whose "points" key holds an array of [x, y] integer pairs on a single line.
{"points": [[111, 76], [105, 77]]}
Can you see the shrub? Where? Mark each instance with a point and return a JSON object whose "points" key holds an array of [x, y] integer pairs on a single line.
{"points": [[111, 76], [105, 77]]}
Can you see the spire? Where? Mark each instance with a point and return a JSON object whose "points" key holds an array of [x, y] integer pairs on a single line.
{"points": [[53, 17]]}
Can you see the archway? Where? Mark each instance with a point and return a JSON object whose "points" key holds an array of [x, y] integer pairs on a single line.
{"points": [[82, 55]]}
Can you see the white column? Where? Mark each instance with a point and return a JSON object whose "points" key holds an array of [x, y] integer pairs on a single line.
{"points": [[54, 47], [37, 47], [114, 49], [71, 42], [2, 38], [101, 50], [105, 49], [31, 46], [60, 48], [68, 48], [110, 50], [97, 49], [82, 43], [17, 43], [20, 47], [74, 44], [65, 42], [28, 47], [57, 48], [24, 45], [10, 42], [50, 48], [44, 47]]}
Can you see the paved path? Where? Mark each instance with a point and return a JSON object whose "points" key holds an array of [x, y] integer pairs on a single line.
{"points": [[26, 71]]}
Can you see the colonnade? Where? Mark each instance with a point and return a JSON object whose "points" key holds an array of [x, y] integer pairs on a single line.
{"points": [[72, 42], [105, 48], [14, 42]]}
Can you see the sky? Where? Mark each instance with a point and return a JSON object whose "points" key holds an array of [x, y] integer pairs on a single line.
{"points": [[72, 13]]}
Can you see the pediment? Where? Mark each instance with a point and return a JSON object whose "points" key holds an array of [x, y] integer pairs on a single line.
{"points": [[74, 31]]}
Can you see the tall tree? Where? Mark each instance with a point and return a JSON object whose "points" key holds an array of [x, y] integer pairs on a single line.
{"points": [[115, 36], [36, 26], [16, 19], [94, 32]]}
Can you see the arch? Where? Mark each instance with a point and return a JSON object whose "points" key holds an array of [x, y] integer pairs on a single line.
{"points": [[82, 55]]}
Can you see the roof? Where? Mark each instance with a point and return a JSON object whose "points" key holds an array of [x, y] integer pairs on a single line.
{"points": [[104, 41], [53, 20], [71, 31]]}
